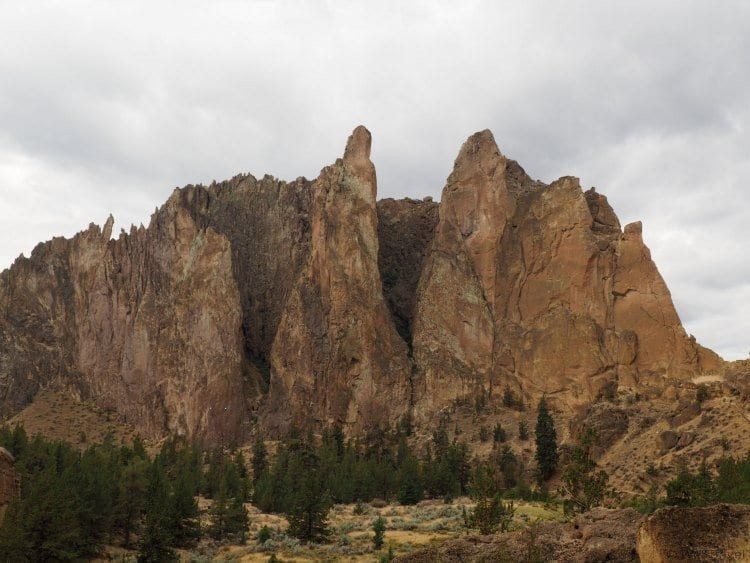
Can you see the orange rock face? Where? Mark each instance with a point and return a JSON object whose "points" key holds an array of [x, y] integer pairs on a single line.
{"points": [[310, 303], [337, 357], [536, 287], [149, 324]]}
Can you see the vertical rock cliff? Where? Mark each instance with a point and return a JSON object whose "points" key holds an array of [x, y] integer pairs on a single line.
{"points": [[536, 287], [148, 324], [263, 303], [337, 357]]}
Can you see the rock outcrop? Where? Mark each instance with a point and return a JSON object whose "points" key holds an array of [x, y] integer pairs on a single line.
{"points": [[715, 533], [537, 287], [337, 357], [310, 303], [148, 324]]}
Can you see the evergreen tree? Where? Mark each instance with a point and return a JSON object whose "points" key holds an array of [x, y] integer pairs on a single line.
{"points": [[308, 502], [308, 510], [264, 534], [228, 513], [139, 450], [239, 463], [156, 540], [546, 442], [411, 489], [509, 398], [509, 467], [154, 544], [131, 499], [499, 433], [183, 512], [378, 527], [584, 485], [490, 512], [260, 459]]}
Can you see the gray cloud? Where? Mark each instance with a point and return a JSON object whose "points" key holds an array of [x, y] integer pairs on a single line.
{"points": [[107, 106]]}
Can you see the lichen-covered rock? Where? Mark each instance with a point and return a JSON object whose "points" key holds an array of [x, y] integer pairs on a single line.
{"points": [[678, 535]]}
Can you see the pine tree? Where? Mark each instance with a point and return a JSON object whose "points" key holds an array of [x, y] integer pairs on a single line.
{"points": [[131, 499], [411, 488], [499, 434], [156, 540], [490, 512], [308, 501], [228, 513], [546, 442], [154, 544], [308, 508], [139, 450], [260, 459], [509, 467], [239, 462], [378, 527], [584, 484], [183, 511], [523, 430]]}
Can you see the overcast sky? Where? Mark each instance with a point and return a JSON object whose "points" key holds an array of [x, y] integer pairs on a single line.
{"points": [[107, 106]]}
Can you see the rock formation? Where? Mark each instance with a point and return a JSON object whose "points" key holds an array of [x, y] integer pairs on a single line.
{"points": [[337, 358], [148, 324], [714, 533], [310, 303], [536, 287]]}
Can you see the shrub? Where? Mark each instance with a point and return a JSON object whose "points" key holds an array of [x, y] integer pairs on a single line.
{"points": [[264, 534], [378, 527]]}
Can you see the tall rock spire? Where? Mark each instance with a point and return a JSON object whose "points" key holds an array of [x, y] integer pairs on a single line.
{"points": [[337, 358]]}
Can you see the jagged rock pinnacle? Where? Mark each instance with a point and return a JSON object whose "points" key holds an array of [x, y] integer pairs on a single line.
{"points": [[358, 145]]}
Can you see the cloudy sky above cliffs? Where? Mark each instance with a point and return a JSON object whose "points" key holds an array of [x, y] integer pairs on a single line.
{"points": [[106, 106]]}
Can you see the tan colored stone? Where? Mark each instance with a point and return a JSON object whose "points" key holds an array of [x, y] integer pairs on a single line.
{"points": [[337, 358], [677, 535], [310, 303], [537, 287]]}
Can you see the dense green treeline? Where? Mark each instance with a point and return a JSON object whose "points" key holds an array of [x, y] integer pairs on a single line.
{"points": [[73, 503], [380, 465], [308, 475], [730, 482]]}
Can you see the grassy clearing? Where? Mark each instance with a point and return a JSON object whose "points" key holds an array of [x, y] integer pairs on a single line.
{"points": [[407, 528]]}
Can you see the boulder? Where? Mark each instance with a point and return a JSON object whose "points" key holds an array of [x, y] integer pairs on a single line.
{"points": [[677, 535], [668, 440]]}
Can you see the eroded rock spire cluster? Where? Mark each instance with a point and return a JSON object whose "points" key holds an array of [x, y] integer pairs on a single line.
{"points": [[311, 303]]}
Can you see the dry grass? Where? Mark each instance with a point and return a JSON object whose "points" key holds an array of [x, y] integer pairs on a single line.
{"points": [[57, 415], [407, 528]]}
